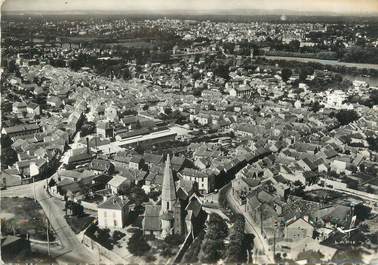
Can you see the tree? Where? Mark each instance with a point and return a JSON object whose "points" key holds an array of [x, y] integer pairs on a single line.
{"points": [[138, 196], [191, 255], [374, 97], [212, 247], [346, 116], [87, 128], [350, 256], [168, 111], [236, 251], [102, 236], [137, 244], [294, 45], [166, 251], [9, 156], [362, 212], [305, 71], [211, 251], [373, 143], [298, 183], [315, 107], [52, 182], [223, 71], [217, 227], [174, 240], [286, 74], [374, 238]]}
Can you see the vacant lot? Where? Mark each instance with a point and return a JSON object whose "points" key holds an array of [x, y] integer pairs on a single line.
{"points": [[22, 216]]}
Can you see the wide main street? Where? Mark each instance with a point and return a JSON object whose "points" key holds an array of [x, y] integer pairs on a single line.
{"points": [[71, 249]]}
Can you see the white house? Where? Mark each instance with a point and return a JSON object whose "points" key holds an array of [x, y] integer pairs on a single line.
{"points": [[37, 167], [116, 183], [113, 212], [299, 229], [34, 109], [336, 100], [19, 107], [205, 181], [338, 166]]}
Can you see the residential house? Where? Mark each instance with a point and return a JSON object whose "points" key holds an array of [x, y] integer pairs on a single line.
{"points": [[54, 102], [299, 229], [103, 166], [205, 179], [24, 129], [105, 129], [19, 107], [136, 162], [113, 212], [117, 183], [33, 109]]}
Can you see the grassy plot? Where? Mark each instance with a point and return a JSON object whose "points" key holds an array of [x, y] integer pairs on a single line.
{"points": [[78, 224], [24, 216]]}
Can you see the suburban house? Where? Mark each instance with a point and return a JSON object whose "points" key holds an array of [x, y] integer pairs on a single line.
{"points": [[113, 212]]}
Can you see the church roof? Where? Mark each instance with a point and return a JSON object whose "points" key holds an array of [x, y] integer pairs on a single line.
{"points": [[151, 220]]}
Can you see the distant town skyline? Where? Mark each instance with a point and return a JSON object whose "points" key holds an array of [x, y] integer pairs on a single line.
{"points": [[320, 6]]}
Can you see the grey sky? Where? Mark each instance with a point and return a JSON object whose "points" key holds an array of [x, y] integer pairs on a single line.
{"points": [[339, 6]]}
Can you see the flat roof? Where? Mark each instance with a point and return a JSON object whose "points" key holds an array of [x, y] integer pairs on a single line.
{"points": [[142, 138], [116, 146]]}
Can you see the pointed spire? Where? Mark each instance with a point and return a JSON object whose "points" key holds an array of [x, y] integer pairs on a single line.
{"points": [[168, 193]]}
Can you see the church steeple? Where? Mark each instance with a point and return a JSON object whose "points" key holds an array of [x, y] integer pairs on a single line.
{"points": [[168, 192]]}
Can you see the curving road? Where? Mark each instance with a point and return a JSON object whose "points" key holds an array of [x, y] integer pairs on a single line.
{"points": [[71, 249]]}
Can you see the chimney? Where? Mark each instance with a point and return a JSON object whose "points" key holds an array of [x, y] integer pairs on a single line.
{"points": [[88, 145]]}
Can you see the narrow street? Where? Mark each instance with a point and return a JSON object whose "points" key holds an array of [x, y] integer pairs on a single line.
{"points": [[262, 254]]}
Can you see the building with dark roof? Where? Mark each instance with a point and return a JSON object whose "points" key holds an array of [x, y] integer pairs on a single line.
{"points": [[24, 129]]}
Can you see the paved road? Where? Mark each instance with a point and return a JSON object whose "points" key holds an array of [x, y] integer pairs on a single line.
{"points": [[262, 254], [71, 250]]}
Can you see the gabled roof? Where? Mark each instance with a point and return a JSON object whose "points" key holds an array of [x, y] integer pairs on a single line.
{"points": [[117, 181], [114, 203], [151, 221], [194, 205], [265, 197], [79, 157], [100, 164]]}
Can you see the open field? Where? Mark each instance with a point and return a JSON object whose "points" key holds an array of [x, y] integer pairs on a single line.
{"points": [[24, 215]]}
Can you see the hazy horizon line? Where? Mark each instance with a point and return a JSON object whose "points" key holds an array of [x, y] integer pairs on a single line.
{"points": [[236, 11]]}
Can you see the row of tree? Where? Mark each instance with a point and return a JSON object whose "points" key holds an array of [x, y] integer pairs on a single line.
{"points": [[209, 247]]}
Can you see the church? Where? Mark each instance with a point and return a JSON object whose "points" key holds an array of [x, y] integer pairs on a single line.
{"points": [[180, 211]]}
